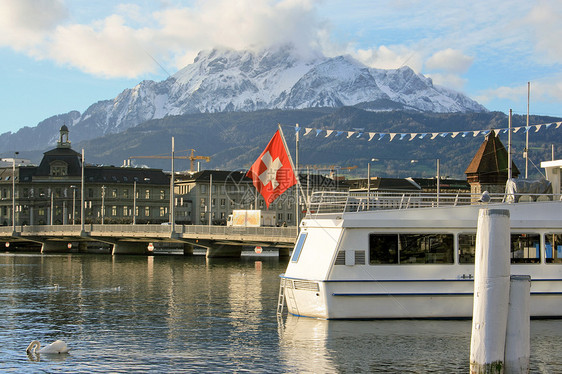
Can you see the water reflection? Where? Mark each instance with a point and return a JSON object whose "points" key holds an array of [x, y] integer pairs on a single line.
{"points": [[189, 314], [375, 346]]}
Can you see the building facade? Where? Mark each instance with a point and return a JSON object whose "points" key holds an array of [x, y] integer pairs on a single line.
{"points": [[50, 193], [216, 193]]}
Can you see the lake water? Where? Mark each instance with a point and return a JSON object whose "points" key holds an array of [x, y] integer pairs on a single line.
{"points": [[188, 314]]}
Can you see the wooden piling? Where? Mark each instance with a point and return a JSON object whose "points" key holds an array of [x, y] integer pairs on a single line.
{"points": [[491, 292], [518, 334]]}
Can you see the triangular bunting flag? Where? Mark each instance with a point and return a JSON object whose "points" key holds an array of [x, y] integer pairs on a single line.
{"points": [[453, 134], [318, 132], [558, 124], [497, 131], [372, 135], [475, 133], [423, 135], [538, 128], [307, 130], [381, 136], [515, 129], [444, 134], [434, 135], [329, 132], [412, 136], [402, 136], [349, 133], [391, 136]]}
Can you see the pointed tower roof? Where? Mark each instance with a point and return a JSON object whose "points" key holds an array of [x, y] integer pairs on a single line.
{"points": [[490, 161]]}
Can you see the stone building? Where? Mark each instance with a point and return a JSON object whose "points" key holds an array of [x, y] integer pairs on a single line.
{"points": [[488, 169], [230, 190], [51, 192]]}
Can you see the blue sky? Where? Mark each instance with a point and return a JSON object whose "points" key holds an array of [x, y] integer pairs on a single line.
{"points": [[63, 55]]}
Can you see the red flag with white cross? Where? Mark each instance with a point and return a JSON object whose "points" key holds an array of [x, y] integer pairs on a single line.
{"points": [[272, 173]]}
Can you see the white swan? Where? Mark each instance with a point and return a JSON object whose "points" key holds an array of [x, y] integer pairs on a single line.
{"points": [[57, 346]]}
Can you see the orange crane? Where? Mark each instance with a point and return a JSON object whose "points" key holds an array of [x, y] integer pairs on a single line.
{"points": [[190, 156]]}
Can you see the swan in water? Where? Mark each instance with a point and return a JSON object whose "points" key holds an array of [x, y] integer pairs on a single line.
{"points": [[57, 346]]}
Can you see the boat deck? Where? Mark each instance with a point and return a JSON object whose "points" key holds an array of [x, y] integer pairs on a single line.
{"points": [[349, 202]]}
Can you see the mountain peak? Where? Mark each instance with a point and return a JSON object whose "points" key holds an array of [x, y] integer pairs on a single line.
{"points": [[280, 77]]}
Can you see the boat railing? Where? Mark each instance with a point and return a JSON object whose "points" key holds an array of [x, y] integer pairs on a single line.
{"points": [[339, 202]]}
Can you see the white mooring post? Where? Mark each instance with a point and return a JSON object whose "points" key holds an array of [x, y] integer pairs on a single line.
{"points": [[491, 292], [518, 335]]}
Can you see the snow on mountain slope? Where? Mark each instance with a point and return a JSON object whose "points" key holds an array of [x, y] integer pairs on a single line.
{"points": [[227, 80]]}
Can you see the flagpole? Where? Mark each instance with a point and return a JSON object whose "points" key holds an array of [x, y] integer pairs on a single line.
{"points": [[297, 208], [299, 186]]}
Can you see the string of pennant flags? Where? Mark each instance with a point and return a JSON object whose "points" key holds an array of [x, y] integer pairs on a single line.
{"points": [[390, 136]]}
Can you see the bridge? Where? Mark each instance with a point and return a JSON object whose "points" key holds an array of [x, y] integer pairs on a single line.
{"points": [[219, 241]]}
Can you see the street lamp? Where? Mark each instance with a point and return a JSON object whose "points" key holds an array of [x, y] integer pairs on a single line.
{"points": [[14, 191], [73, 202], [102, 203]]}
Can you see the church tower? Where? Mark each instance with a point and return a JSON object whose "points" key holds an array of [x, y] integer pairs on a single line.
{"points": [[488, 169]]}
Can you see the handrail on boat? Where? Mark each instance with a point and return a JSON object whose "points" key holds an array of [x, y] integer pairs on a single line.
{"points": [[342, 201]]}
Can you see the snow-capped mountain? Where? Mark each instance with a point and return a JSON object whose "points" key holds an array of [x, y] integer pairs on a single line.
{"points": [[222, 80]]}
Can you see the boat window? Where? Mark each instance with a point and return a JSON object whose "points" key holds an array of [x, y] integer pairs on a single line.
{"points": [[553, 248], [298, 247], [525, 248], [411, 248], [467, 248], [383, 249], [426, 248]]}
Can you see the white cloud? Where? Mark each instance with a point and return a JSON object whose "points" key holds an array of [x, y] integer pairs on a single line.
{"points": [[544, 23], [453, 81], [121, 45], [541, 91], [390, 57], [449, 60], [107, 48], [24, 23]]}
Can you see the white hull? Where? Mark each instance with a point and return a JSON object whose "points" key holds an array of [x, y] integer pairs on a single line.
{"points": [[332, 275], [392, 300]]}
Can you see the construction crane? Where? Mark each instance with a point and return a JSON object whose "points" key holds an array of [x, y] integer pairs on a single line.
{"points": [[190, 156]]}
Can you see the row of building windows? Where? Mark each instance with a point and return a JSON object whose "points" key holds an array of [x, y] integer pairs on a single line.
{"points": [[68, 193], [113, 210]]}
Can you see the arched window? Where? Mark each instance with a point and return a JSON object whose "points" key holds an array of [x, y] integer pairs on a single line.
{"points": [[59, 169]]}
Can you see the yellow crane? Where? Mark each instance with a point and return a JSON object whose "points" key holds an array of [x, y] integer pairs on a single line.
{"points": [[191, 156]]}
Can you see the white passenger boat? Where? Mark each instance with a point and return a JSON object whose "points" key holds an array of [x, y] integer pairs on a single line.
{"points": [[400, 255]]}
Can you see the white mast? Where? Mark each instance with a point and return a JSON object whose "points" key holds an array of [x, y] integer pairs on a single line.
{"points": [[527, 132], [509, 148]]}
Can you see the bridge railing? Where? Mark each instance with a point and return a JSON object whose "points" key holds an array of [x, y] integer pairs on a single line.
{"points": [[282, 232], [149, 230]]}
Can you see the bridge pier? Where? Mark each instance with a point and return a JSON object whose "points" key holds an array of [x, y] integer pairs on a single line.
{"points": [[284, 252], [129, 248], [224, 251], [54, 247], [83, 247], [187, 249]]}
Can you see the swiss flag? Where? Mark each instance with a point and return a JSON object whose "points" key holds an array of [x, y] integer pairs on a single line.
{"points": [[272, 173]]}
